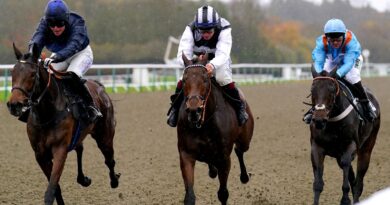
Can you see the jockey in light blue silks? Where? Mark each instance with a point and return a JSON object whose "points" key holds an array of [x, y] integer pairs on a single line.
{"points": [[339, 48]]}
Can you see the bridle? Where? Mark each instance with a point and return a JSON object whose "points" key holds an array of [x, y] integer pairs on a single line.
{"points": [[322, 107], [29, 95], [201, 99]]}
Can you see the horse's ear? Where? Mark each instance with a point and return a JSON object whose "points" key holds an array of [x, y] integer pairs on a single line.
{"points": [[313, 71], [34, 52], [185, 60], [18, 54]]}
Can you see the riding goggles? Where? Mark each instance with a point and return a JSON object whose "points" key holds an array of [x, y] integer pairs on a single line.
{"points": [[56, 23], [206, 31]]}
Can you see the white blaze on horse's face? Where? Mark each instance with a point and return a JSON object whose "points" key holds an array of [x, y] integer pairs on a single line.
{"points": [[320, 107]]}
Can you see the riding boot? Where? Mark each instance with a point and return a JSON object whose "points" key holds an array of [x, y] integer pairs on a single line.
{"points": [[237, 103], [308, 116], [368, 108], [176, 100], [92, 112]]}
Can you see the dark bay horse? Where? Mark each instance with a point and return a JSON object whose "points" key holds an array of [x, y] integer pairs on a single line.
{"points": [[208, 129], [51, 126], [337, 130]]}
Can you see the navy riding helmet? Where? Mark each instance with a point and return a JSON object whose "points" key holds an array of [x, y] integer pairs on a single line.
{"points": [[57, 10], [206, 18]]}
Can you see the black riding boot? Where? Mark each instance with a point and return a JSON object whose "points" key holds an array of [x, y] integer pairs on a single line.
{"points": [[237, 103], [368, 108], [176, 100], [81, 88]]}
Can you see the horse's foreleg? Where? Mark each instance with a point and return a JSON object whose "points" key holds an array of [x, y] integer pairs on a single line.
{"points": [[187, 164], [345, 164], [317, 160], [59, 157], [223, 174], [46, 165], [244, 175], [81, 178]]}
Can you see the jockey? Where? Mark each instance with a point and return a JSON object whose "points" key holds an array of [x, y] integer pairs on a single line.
{"points": [[64, 33], [210, 34], [339, 48]]}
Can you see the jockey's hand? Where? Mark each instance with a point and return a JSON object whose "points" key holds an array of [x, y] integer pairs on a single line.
{"points": [[209, 68], [48, 61]]}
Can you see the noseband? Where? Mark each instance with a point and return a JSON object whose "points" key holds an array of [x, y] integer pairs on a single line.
{"points": [[200, 98]]}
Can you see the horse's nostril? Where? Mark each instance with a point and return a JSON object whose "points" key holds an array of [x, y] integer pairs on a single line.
{"points": [[199, 109]]}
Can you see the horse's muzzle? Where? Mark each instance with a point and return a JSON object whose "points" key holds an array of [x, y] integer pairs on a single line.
{"points": [[195, 116], [319, 123], [16, 108]]}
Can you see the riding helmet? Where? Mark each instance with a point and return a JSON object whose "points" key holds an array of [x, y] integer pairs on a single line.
{"points": [[57, 10], [206, 18], [335, 28]]}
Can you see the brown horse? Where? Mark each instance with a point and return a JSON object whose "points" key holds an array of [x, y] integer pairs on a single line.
{"points": [[338, 130], [208, 129], [51, 127]]}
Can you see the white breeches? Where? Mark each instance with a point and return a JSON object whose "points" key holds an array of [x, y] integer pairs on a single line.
{"points": [[353, 76], [79, 63]]}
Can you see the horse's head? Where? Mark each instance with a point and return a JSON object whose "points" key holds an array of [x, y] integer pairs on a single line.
{"points": [[24, 76], [324, 91], [197, 87]]}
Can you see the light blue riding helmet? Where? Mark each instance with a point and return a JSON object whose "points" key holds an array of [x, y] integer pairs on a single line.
{"points": [[335, 28]]}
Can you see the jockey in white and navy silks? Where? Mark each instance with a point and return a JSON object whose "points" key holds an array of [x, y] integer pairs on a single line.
{"points": [[210, 34], [64, 33], [339, 49]]}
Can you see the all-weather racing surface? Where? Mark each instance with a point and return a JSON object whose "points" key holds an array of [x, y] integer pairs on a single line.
{"points": [[278, 160]]}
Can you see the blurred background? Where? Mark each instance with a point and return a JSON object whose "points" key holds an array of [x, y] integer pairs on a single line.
{"points": [[264, 31]]}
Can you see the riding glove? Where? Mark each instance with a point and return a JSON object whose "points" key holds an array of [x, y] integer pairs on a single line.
{"points": [[52, 59]]}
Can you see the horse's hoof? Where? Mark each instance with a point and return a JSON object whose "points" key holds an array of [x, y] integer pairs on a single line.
{"points": [[115, 181], [84, 181], [244, 178], [213, 173]]}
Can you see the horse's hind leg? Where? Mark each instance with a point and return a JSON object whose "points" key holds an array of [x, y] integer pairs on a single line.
{"points": [[364, 156], [81, 178], [244, 177], [241, 146], [223, 174], [105, 145]]}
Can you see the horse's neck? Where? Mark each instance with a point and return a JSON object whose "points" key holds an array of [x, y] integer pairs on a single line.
{"points": [[53, 98], [215, 98]]}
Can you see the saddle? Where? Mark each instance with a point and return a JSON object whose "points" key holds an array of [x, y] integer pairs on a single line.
{"points": [[76, 102], [349, 92]]}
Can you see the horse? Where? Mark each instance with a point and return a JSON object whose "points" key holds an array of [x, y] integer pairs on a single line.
{"points": [[208, 129], [339, 130], [52, 129]]}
